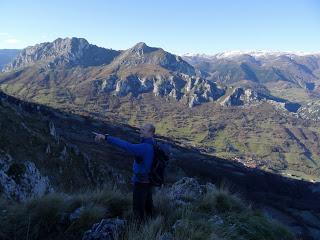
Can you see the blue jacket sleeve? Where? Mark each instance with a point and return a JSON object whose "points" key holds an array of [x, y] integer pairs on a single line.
{"points": [[135, 149]]}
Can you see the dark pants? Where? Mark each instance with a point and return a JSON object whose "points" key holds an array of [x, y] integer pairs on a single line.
{"points": [[142, 200]]}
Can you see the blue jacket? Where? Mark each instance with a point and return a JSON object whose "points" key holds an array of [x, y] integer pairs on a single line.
{"points": [[142, 150]]}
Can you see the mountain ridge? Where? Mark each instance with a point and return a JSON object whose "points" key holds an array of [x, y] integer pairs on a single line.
{"points": [[133, 71], [241, 122], [64, 52]]}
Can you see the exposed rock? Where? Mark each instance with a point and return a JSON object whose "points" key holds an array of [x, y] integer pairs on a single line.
{"points": [[20, 181], [160, 72], [240, 96], [127, 85], [201, 91], [178, 86], [188, 189], [164, 86], [105, 230], [185, 189], [245, 96], [108, 84], [63, 52], [310, 110], [194, 101], [143, 54]]}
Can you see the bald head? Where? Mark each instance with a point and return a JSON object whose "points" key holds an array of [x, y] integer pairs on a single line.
{"points": [[148, 130]]}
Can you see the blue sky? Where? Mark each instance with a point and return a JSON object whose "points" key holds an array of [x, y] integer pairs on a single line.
{"points": [[178, 26]]}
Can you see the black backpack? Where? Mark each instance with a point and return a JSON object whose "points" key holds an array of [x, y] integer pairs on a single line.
{"points": [[159, 163]]}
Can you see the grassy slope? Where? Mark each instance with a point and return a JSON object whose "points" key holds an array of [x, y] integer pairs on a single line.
{"points": [[260, 135], [217, 214]]}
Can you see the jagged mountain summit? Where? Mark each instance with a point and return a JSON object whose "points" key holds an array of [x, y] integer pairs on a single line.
{"points": [[141, 54], [72, 52], [67, 52], [135, 71]]}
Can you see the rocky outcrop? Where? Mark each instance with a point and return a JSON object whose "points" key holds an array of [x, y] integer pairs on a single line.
{"points": [[240, 96], [68, 52], [310, 110], [200, 91], [20, 181], [245, 96], [141, 54], [105, 230], [140, 69], [194, 90], [186, 188]]}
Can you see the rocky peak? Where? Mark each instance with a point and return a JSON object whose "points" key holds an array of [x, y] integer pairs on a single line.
{"points": [[142, 47], [141, 54], [67, 52], [70, 44], [241, 96]]}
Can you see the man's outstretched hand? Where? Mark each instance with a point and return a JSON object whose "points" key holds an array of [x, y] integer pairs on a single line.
{"points": [[99, 137]]}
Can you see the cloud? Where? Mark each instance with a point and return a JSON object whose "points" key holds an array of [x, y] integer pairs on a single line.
{"points": [[4, 34], [12, 41]]}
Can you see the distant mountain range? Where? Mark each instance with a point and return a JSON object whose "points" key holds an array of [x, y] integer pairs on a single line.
{"points": [[294, 70], [143, 69], [253, 108], [134, 71]]}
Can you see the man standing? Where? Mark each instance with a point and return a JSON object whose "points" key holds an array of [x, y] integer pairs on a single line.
{"points": [[143, 153]]}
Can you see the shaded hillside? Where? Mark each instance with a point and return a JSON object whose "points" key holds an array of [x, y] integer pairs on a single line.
{"points": [[247, 124], [74, 161]]}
